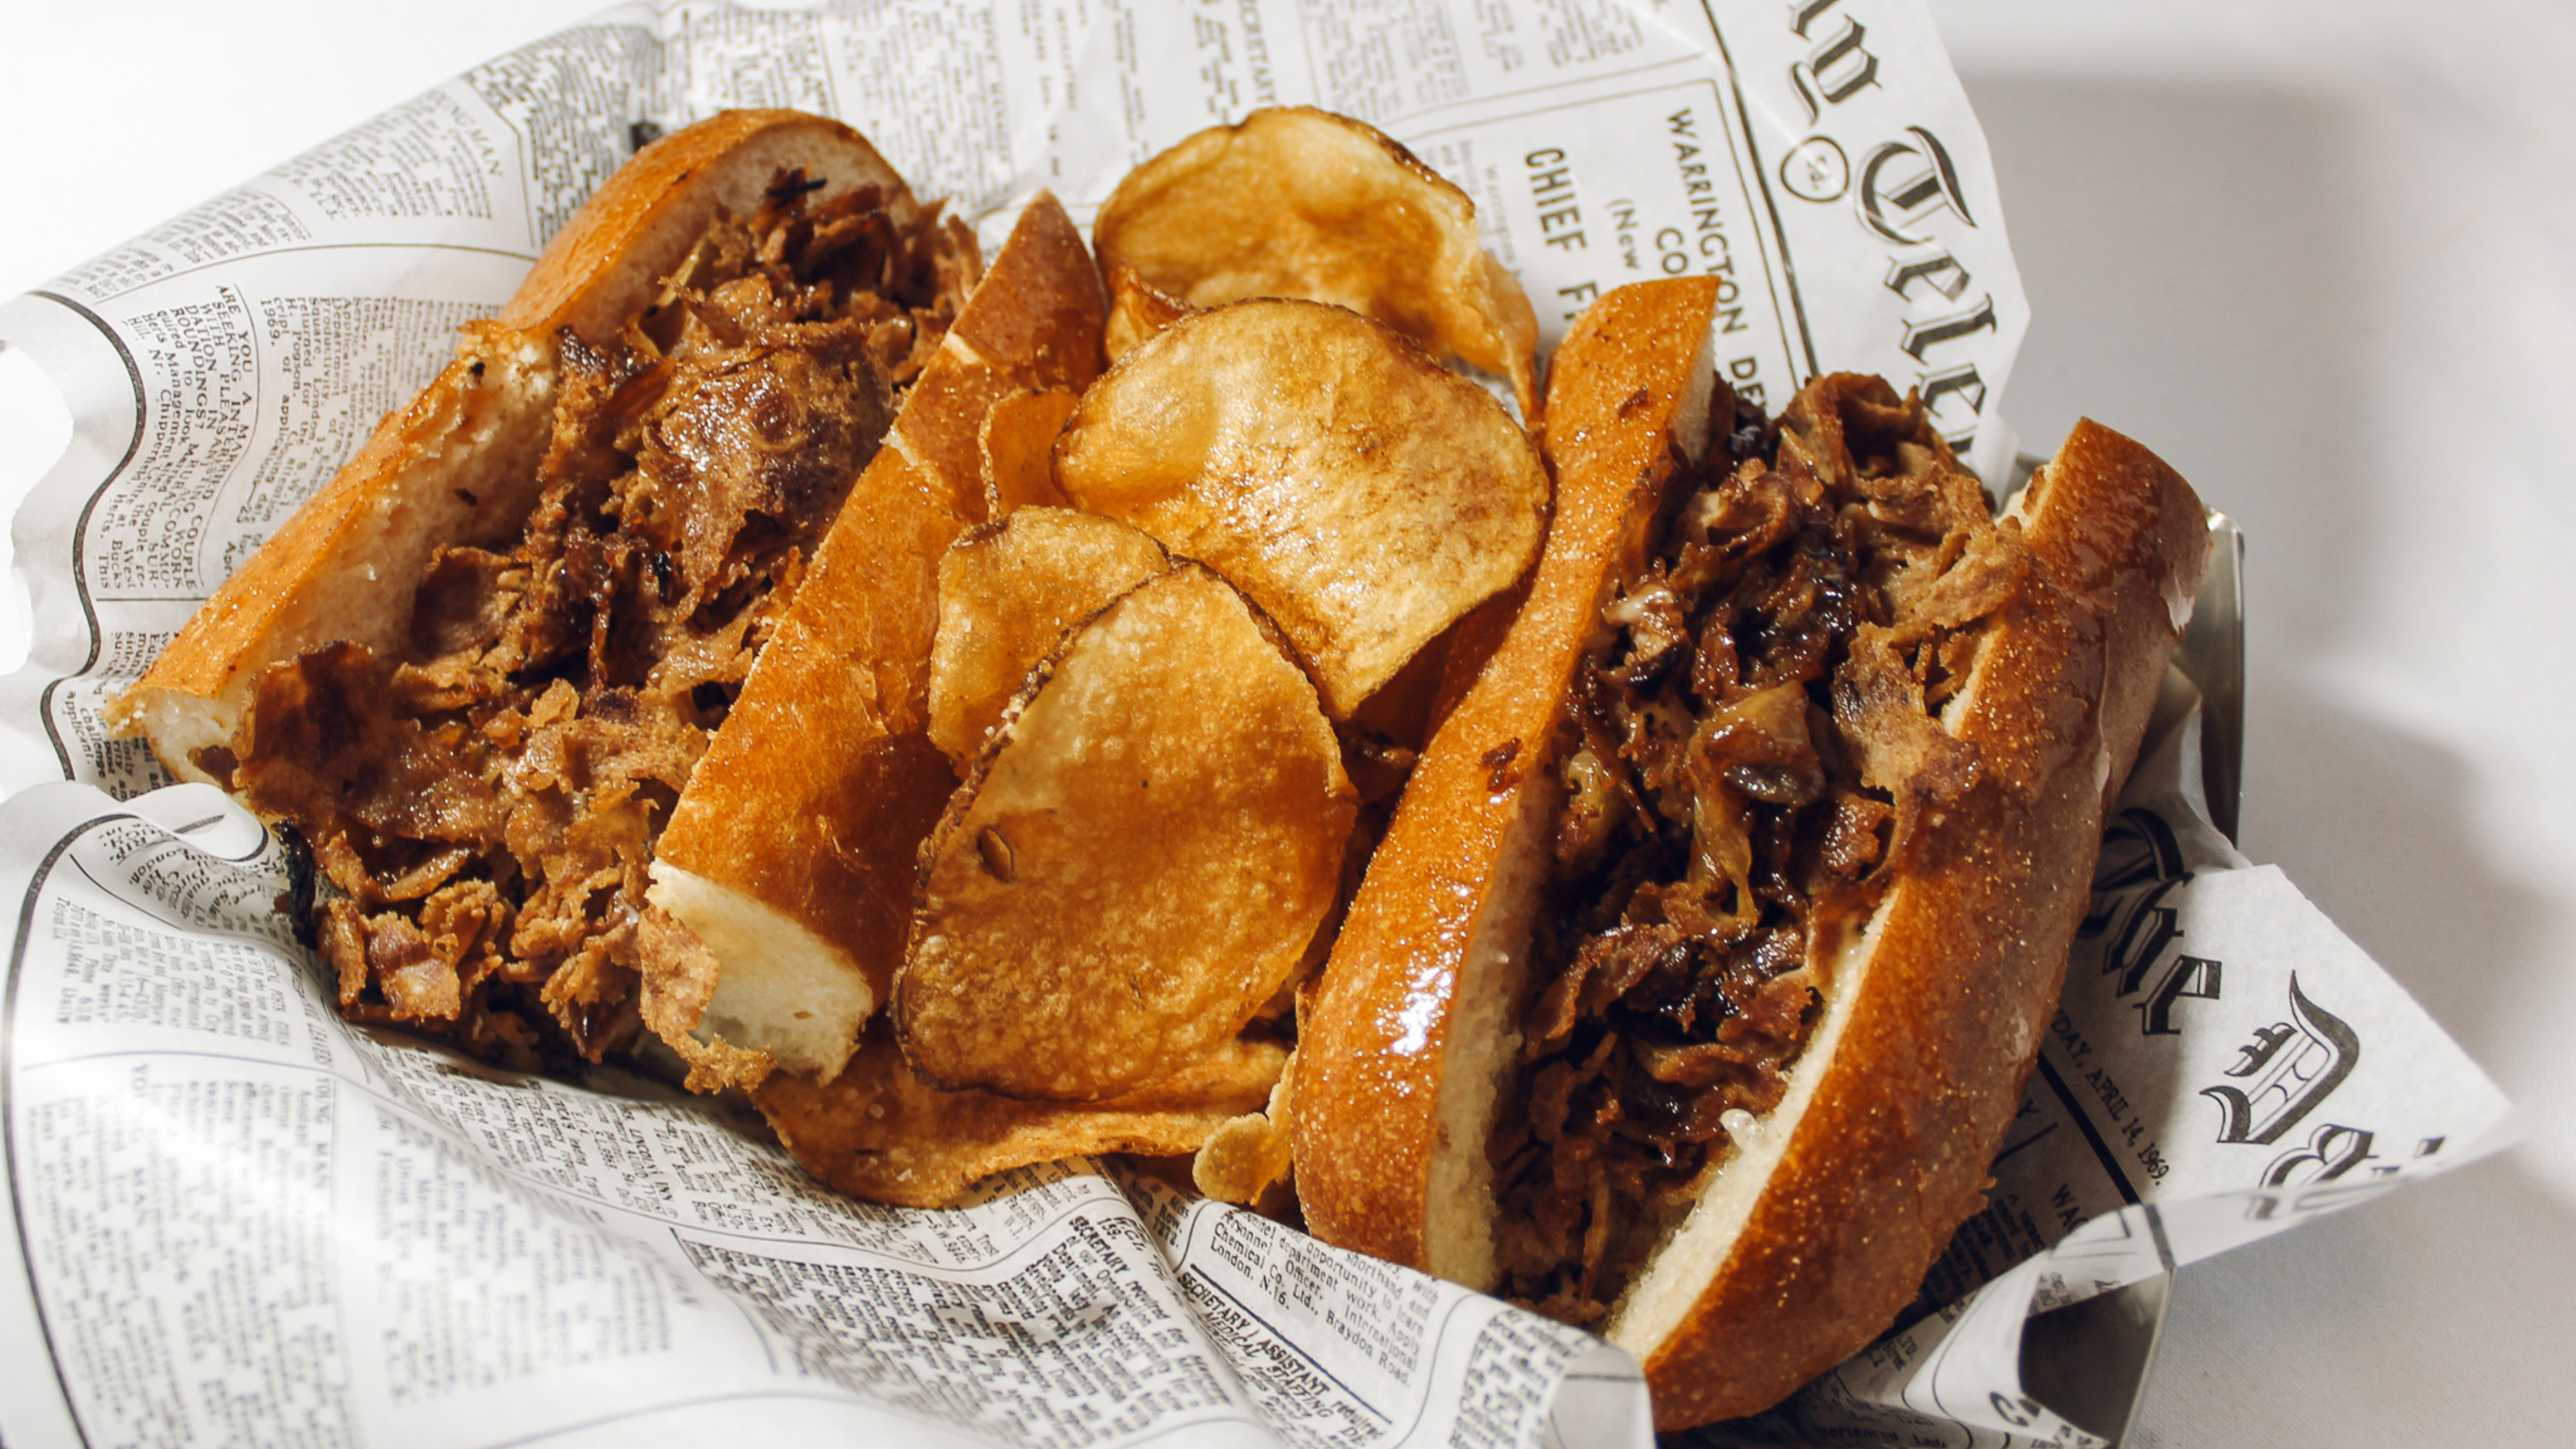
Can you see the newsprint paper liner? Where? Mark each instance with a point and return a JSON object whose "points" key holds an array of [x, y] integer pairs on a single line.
{"points": [[240, 1220]]}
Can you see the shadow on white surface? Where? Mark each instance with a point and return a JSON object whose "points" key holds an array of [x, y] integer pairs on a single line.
{"points": [[2198, 277], [2435, 1315]]}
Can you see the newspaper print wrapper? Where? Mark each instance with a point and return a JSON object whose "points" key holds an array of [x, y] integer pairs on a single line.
{"points": [[238, 1218], [242, 1220]]}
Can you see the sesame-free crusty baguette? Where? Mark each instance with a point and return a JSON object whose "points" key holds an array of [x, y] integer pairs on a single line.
{"points": [[1725, 1091], [478, 670], [459, 462]]}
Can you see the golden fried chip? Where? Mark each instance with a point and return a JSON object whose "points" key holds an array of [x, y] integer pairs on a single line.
{"points": [[1138, 862], [1250, 1152], [1008, 591], [1016, 438], [879, 1131], [1361, 494], [1137, 308], [1296, 202]]}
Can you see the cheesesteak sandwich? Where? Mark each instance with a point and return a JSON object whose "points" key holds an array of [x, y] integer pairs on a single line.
{"points": [[476, 671], [1695, 981]]}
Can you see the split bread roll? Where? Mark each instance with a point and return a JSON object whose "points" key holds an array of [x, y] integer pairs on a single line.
{"points": [[1697, 977], [791, 859], [480, 671], [460, 462]]}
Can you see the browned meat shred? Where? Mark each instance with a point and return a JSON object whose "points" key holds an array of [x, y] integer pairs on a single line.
{"points": [[486, 805], [1740, 764]]}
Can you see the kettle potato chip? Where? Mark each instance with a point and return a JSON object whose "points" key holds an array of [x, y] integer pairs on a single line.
{"points": [[1297, 202], [1138, 862], [1361, 494], [1008, 591]]}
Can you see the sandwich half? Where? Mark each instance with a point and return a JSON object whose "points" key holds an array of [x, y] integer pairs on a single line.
{"points": [[1697, 977]]}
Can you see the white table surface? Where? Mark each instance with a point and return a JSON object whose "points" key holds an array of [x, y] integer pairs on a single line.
{"points": [[2321, 254]]}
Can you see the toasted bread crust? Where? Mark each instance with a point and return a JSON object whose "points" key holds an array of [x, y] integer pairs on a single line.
{"points": [[608, 262], [1822, 1227], [459, 462], [1959, 972], [816, 795], [1438, 917]]}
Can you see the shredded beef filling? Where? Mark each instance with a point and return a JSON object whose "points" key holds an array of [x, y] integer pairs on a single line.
{"points": [[486, 805], [1740, 764]]}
